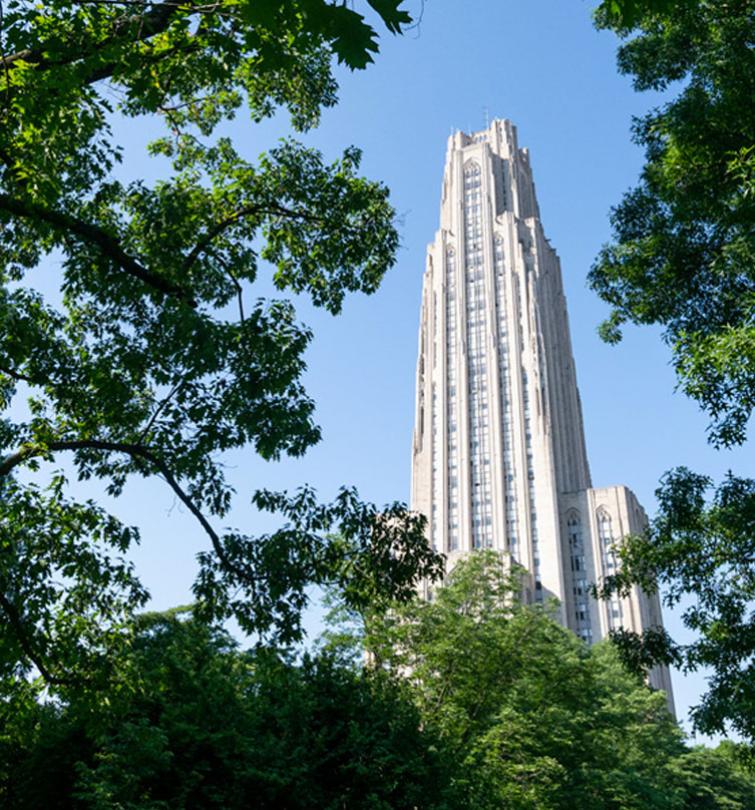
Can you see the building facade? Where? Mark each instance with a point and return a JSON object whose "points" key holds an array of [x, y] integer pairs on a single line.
{"points": [[499, 457]]}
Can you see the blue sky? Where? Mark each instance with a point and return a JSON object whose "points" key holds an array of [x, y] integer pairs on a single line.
{"points": [[542, 65]]}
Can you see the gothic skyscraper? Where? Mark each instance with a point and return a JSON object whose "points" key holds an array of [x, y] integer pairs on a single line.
{"points": [[499, 457]]}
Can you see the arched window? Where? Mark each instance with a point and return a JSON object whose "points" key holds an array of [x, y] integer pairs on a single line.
{"points": [[579, 575], [605, 533], [610, 565], [471, 168], [576, 544]]}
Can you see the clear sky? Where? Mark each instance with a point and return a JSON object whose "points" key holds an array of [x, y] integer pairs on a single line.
{"points": [[541, 64]]}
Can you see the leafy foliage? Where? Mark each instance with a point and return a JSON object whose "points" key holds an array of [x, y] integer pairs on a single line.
{"points": [[263, 581], [204, 725], [158, 358], [65, 595], [626, 14], [475, 701], [683, 250], [702, 553], [713, 778], [530, 715], [683, 256]]}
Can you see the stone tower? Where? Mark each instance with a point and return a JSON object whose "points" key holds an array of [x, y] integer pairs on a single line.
{"points": [[499, 458]]}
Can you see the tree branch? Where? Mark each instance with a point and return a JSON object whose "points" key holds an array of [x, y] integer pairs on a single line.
{"points": [[237, 285], [17, 375], [127, 29], [161, 405], [215, 231], [14, 618], [95, 235], [222, 225], [136, 451], [153, 22]]}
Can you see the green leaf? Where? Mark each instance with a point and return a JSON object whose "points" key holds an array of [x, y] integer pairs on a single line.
{"points": [[392, 14], [354, 41]]}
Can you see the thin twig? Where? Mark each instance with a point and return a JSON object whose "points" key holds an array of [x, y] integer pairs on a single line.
{"points": [[135, 451], [216, 230], [160, 408], [239, 289]]}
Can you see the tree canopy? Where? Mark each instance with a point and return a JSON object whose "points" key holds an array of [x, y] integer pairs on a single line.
{"points": [[156, 357], [683, 247], [202, 724], [473, 700], [702, 554], [683, 257], [530, 715]]}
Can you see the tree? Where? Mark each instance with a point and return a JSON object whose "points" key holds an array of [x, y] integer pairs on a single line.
{"points": [[201, 724], [682, 257], [519, 714], [532, 717], [683, 248], [157, 359], [712, 778], [703, 553]]}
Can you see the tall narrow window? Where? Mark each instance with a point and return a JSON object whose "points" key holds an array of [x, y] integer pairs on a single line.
{"points": [[534, 535], [451, 401], [504, 375], [608, 560], [477, 362], [579, 576], [436, 489]]}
